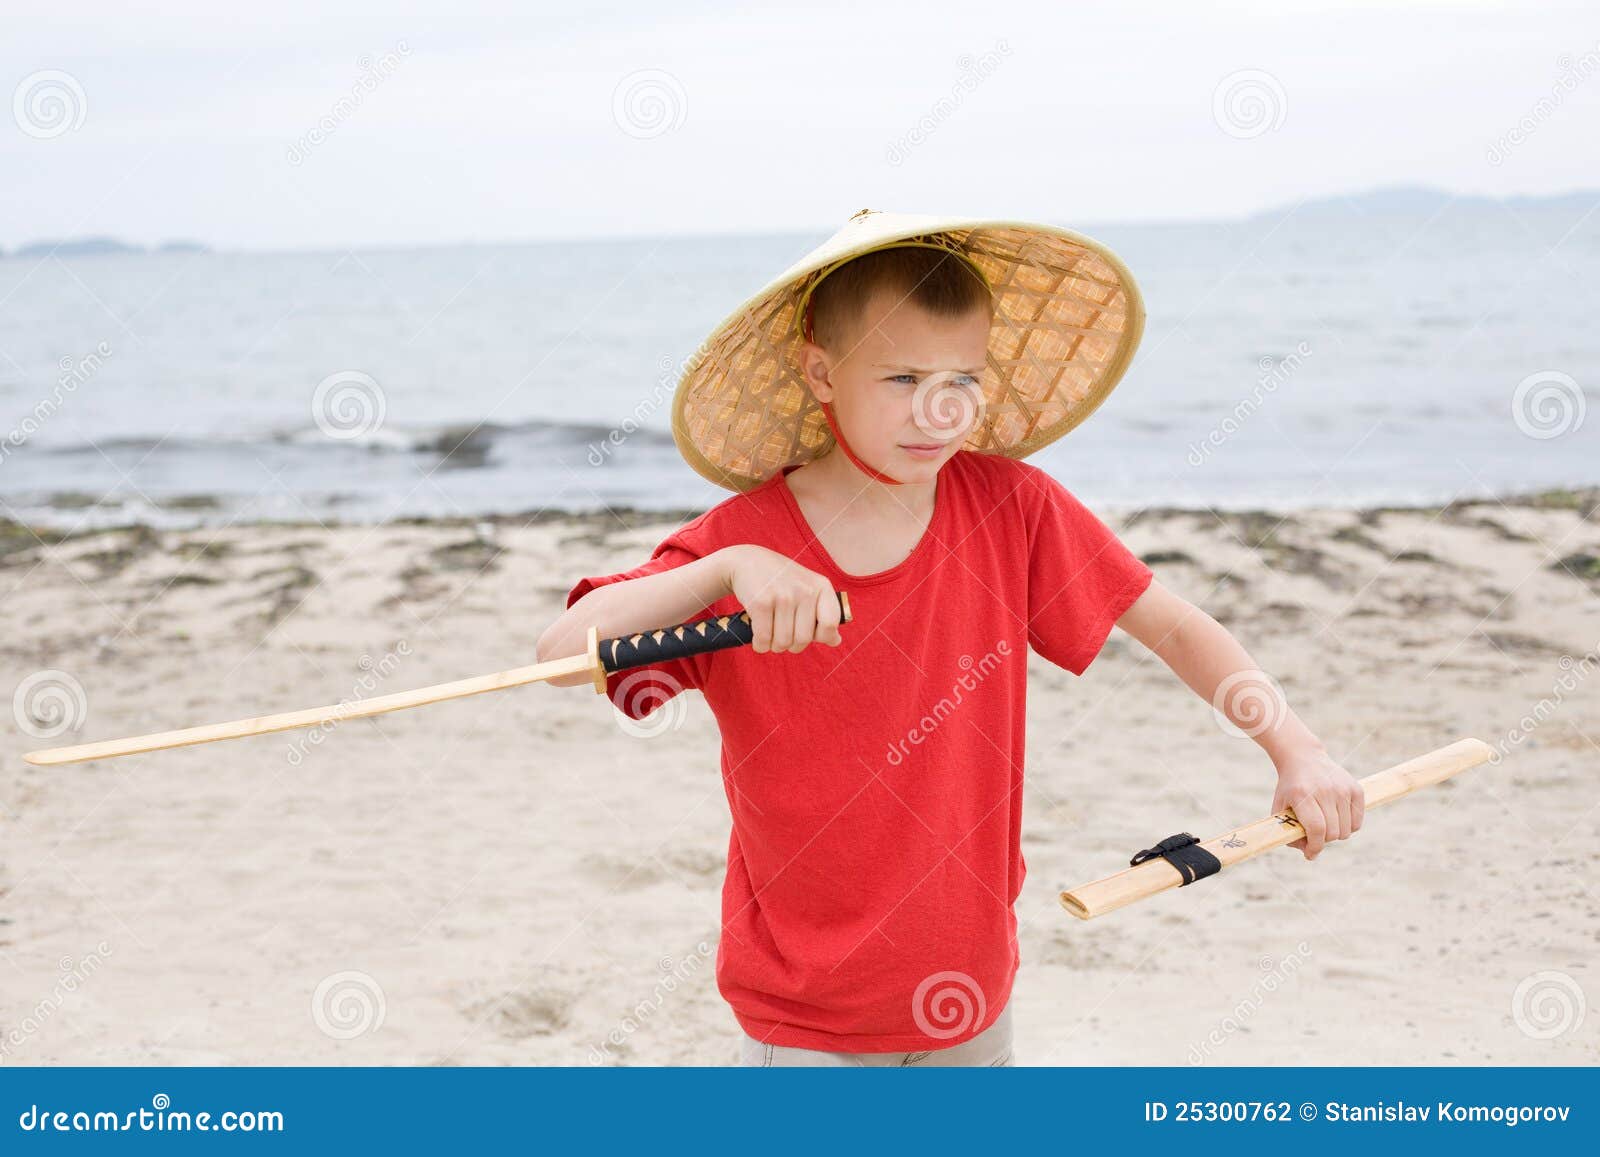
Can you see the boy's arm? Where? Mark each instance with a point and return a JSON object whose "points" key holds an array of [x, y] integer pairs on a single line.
{"points": [[1327, 800], [640, 604]]}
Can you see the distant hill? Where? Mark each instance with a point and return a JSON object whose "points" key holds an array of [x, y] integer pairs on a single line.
{"points": [[99, 246], [1389, 201], [1423, 201]]}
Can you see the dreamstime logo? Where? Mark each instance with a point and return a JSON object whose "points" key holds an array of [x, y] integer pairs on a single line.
{"points": [[155, 1119], [73, 973], [49, 104], [1274, 974], [1569, 75], [674, 975], [1573, 673], [1548, 1004], [971, 72], [372, 673], [947, 405], [49, 703], [1248, 103], [348, 404], [660, 393], [74, 373], [1548, 404], [649, 103], [372, 74], [945, 707], [347, 1005], [1253, 699], [646, 692], [947, 1004], [1274, 372]]}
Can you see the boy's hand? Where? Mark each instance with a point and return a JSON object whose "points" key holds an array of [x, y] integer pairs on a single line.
{"points": [[1328, 801], [790, 607]]}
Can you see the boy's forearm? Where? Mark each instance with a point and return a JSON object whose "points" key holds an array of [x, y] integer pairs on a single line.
{"points": [[621, 608], [1205, 655]]}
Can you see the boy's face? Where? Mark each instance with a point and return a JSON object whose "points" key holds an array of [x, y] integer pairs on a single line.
{"points": [[906, 387]]}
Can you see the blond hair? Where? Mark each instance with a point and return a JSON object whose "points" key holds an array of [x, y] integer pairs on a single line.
{"points": [[936, 280]]}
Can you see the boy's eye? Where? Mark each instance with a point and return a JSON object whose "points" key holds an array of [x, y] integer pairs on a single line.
{"points": [[963, 381]]}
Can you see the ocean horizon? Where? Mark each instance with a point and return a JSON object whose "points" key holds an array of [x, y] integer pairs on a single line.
{"points": [[1395, 348]]}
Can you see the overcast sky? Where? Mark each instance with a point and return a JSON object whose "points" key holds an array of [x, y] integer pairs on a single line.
{"points": [[252, 126]]}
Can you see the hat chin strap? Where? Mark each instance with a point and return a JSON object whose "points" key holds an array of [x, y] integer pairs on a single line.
{"points": [[875, 475]]}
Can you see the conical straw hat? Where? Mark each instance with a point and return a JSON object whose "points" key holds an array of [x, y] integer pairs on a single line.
{"points": [[1067, 319]]}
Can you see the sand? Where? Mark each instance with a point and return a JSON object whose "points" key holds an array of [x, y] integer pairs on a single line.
{"points": [[515, 879]]}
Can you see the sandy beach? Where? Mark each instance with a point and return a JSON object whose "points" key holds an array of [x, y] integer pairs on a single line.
{"points": [[516, 879]]}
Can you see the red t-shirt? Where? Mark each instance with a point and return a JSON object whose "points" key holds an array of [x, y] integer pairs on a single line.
{"points": [[876, 787]]}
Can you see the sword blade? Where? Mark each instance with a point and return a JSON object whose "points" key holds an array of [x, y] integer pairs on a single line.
{"points": [[311, 716]]}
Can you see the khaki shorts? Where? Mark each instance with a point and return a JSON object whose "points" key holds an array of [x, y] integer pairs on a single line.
{"points": [[991, 1048]]}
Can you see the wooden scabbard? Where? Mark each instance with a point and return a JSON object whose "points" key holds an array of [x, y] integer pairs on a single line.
{"points": [[1156, 875]]}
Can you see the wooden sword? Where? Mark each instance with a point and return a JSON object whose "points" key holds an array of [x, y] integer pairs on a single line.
{"points": [[602, 658]]}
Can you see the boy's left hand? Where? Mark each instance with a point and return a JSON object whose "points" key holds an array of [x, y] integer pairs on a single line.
{"points": [[1328, 801]]}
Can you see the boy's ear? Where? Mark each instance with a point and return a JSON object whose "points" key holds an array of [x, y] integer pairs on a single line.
{"points": [[815, 365]]}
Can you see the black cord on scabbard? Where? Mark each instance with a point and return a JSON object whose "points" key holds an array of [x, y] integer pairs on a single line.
{"points": [[1182, 851]]}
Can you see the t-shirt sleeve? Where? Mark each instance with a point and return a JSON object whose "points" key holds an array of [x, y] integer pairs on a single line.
{"points": [[1081, 578], [638, 691]]}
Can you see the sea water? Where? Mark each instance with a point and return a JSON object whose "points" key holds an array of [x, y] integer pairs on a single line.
{"points": [[1342, 353]]}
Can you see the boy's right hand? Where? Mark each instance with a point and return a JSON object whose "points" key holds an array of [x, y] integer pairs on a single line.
{"points": [[790, 607]]}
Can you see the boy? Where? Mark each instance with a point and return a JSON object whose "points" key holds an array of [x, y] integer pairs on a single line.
{"points": [[874, 775]]}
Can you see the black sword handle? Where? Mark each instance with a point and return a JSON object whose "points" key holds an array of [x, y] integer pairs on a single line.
{"points": [[693, 638]]}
